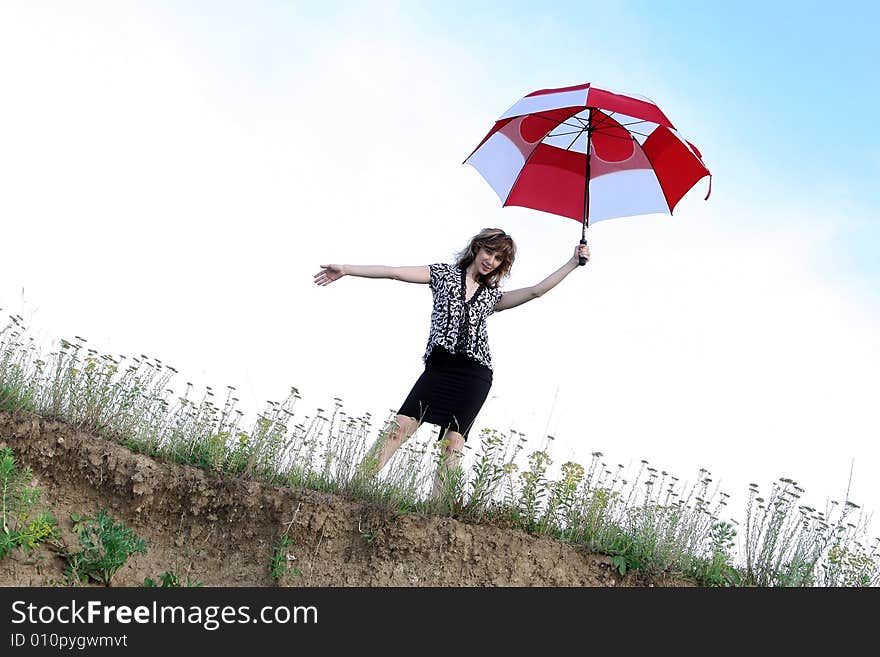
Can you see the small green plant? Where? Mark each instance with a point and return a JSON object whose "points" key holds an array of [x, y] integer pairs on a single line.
{"points": [[170, 579], [718, 569], [624, 553], [106, 546], [282, 560], [619, 561], [488, 472], [534, 490], [20, 526], [369, 535], [852, 566]]}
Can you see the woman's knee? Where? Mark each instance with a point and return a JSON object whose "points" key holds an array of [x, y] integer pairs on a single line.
{"points": [[404, 427], [453, 442]]}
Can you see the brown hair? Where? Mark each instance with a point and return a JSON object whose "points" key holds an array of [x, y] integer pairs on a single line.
{"points": [[497, 240]]}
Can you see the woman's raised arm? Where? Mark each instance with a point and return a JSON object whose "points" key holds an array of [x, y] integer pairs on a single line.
{"points": [[330, 273], [518, 297]]}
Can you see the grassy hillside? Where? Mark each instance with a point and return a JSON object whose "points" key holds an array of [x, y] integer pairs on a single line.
{"points": [[651, 523]]}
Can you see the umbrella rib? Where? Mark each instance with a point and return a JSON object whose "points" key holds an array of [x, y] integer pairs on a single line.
{"points": [[598, 124], [563, 122], [562, 134], [525, 163], [582, 126], [622, 125], [568, 125], [605, 117], [581, 131], [629, 135]]}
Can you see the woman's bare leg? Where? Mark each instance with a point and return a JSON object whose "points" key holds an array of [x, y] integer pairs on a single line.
{"points": [[453, 446], [383, 449]]}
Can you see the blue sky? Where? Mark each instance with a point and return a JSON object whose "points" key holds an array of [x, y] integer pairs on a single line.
{"points": [[776, 94], [784, 82], [185, 167]]}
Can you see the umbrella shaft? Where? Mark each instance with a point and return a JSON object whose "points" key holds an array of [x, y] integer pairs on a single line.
{"points": [[586, 221]]}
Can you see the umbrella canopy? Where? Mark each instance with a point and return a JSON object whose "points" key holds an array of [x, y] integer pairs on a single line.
{"points": [[543, 151]]}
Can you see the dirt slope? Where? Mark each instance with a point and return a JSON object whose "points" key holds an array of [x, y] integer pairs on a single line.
{"points": [[221, 531]]}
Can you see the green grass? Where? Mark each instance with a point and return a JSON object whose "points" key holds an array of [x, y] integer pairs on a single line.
{"points": [[22, 525], [171, 579], [652, 522], [282, 568], [105, 546]]}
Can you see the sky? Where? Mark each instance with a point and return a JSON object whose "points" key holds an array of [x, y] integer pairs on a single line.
{"points": [[173, 174]]}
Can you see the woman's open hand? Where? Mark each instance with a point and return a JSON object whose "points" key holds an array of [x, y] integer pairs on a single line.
{"points": [[328, 274]]}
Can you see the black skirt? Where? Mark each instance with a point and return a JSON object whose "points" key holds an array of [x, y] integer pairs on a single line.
{"points": [[449, 393]]}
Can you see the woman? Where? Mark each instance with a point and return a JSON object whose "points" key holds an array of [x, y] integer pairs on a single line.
{"points": [[458, 366]]}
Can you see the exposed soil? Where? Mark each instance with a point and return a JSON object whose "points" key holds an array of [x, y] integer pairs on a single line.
{"points": [[222, 531]]}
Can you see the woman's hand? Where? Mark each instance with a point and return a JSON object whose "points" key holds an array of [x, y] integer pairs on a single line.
{"points": [[328, 274], [580, 250]]}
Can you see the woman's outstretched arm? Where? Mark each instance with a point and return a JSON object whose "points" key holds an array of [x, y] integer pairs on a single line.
{"points": [[330, 273], [518, 297]]}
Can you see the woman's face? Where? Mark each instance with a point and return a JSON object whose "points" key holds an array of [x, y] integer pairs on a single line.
{"points": [[488, 260]]}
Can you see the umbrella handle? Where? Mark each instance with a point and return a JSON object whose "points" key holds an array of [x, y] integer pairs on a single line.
{"points": [[582, 260]]}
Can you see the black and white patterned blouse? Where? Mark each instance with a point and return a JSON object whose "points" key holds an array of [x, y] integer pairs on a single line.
{"points": [[457, 325]]}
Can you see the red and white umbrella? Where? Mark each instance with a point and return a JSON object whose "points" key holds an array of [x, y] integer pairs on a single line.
{"points": [[543, 150]]}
